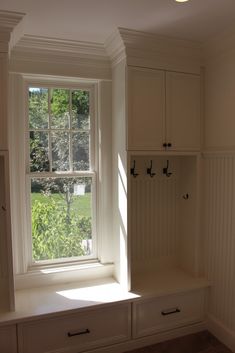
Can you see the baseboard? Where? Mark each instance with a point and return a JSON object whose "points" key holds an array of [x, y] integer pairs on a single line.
{"points": [[153, 339], [220, 331]]}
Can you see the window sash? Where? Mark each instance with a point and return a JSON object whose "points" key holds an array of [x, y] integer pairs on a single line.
{"points": [[92, 172], [90, 131], [32, 264]]}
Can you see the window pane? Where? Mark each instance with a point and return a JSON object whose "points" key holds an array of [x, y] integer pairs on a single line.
{"points": [[80, 110], [81, 159], [39, 160], [60, 151], [61, 217], [38, 108], [59, 108]]}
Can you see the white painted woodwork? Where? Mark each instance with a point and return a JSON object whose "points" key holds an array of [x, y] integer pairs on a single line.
{"points": [[219, 228], [108, 325], [146, 109], [6, 268], [120, 190], [167, 280], [163, 107], [183, 111], [3, 101], [179, 309], [163, 224], [8, 339], [46, 56], [153, 51]]}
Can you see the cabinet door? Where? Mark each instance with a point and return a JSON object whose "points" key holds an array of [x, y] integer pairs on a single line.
{"points": [[146, 109], [183, 111], [8, 340], [3, 100]]}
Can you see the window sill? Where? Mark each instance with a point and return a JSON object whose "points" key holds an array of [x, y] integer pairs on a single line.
{"points": [[42, 276], [54, 300]]}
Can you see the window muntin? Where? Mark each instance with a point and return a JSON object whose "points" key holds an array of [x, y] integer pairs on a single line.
{"points": [[61, 174]]}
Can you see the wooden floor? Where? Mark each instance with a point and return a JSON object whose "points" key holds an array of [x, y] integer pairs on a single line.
{"points": [[202, 342]]}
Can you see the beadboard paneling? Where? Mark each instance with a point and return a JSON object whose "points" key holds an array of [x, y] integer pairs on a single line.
{"points": [[219, 227], [154, 220], [154, 228]]}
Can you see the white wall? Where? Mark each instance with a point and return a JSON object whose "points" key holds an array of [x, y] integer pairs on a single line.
{"points": [[220, 94], [219, 185]]}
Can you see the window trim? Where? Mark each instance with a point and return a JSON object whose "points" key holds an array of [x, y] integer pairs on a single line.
{"points": [[91, 270], [26, 276]]}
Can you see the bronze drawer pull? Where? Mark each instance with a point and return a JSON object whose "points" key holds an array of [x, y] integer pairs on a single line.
{"points": [[78, 333], [170, 311]]}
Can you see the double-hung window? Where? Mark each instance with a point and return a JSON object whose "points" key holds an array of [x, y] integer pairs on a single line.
{"points": [[60, 173]]}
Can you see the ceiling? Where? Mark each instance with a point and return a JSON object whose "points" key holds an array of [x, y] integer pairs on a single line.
{"points": [[96, 20]]}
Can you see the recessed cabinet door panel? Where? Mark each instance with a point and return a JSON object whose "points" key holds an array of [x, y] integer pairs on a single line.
{"points": [[183, 111], [146, 109], [8, 340]]}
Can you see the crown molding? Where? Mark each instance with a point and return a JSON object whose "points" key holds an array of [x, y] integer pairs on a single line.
{"points": [[37, 44], [150, 50], [33, 50], [11, 28], [115, 48], [9, 20], [53, 48]]}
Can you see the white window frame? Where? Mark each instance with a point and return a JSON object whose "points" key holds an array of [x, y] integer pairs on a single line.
{"points": [[91, 173], [101, 265]]}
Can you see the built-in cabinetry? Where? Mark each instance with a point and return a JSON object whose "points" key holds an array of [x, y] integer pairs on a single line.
{"points": [[154, 315], [164, 217], [6, 268], [156, 211], [157, 174], [163, 110], [3, 100], [8, 339], [78, 331]]}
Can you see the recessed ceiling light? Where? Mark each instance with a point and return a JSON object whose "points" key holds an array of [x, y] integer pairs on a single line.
{"points": [[181, 0]]}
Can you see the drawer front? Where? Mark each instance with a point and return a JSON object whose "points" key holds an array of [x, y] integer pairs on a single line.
{"points": [[8, 341], [160, 314], [76, 332]]}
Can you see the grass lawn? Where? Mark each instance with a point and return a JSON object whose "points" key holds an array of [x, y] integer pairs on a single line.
{"points": [[81, 204]]}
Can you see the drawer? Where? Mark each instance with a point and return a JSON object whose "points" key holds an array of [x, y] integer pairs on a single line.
{"points": [[77, 332], [159, 314], [8, 340]]}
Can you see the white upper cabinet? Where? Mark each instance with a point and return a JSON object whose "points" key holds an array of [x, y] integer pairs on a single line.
{"points": [[163, 110], [183, 111], [146, 109], [3, 101]]}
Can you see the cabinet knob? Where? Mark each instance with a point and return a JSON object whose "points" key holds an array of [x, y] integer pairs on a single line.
{"points": [[169, 145], [164, 144]]}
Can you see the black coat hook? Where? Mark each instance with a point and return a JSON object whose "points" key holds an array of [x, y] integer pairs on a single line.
{"points": [[133, 170], [165, 170], [186, 196], [149, 170]]}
